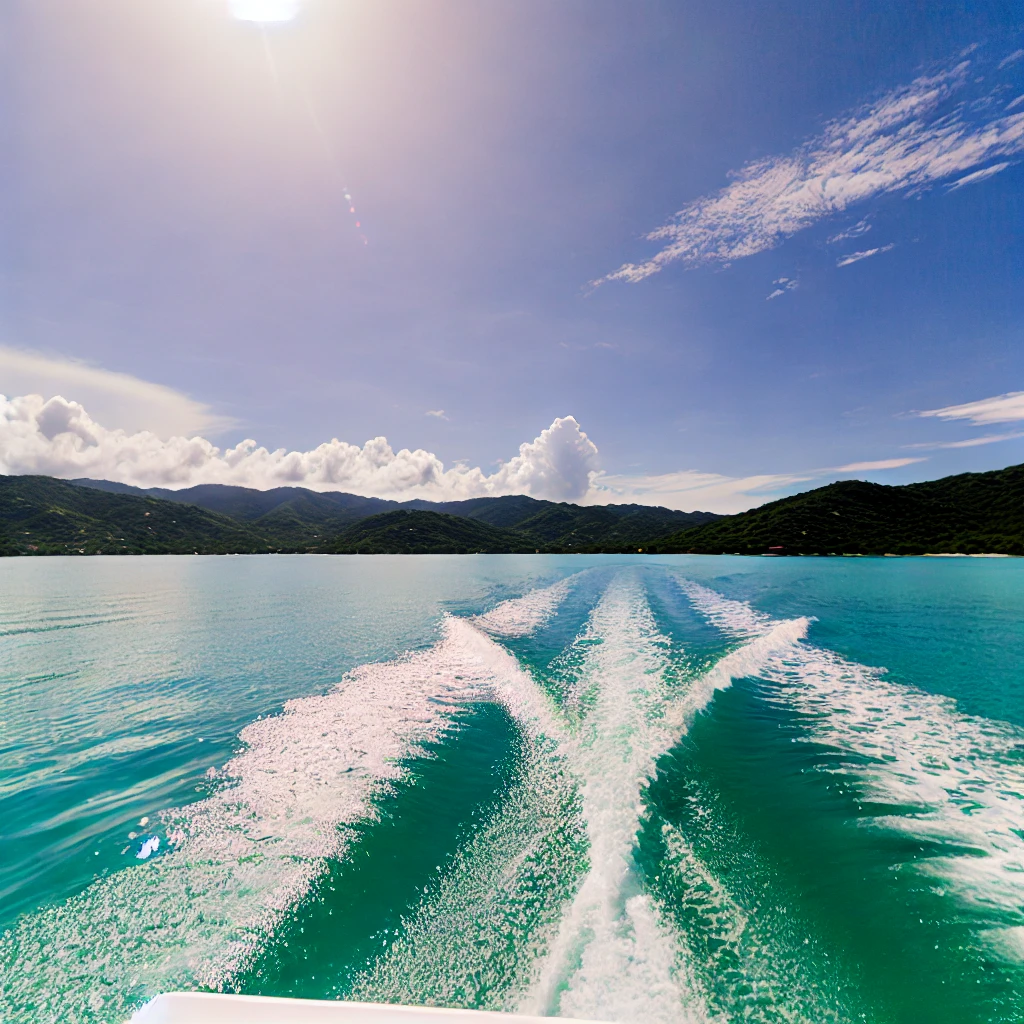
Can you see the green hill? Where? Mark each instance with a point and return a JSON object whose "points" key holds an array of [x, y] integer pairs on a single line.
{"points": [[40, 515], [972, 513], [298, 519], [414, 532], [292, 517]]}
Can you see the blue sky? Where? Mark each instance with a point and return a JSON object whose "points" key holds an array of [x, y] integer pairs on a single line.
{"points": [[838, 190]]}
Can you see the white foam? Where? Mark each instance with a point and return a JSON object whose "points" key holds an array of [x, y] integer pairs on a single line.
{"points": [[524, 615], [474, 938], [758, 953], [951, 778], [612, 958], [748, 660], [149, 847], [534, 916], [734, 618], [240, 858]]}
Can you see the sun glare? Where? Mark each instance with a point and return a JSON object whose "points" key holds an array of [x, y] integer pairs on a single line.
{"points": [[264, 10]]}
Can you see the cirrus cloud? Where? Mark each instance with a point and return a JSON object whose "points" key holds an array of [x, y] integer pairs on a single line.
{"points": [[119, 399], [690, 489], [970, 442], [856, 257], [1008, 408], [907, 141], [866, 467]]}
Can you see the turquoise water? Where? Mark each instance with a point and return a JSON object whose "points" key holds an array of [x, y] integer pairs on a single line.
{"points": [[635, 789]]}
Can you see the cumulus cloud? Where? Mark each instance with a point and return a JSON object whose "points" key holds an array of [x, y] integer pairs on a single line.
{"points": [[856, 257], [118, 399], [971, 442], [1006, 408], [865, 467], [912, 138], [437, 414], [59, 438]]}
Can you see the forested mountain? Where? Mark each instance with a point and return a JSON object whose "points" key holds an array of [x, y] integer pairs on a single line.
{"points": [[417, 532], [972, 513], [41, 515]]}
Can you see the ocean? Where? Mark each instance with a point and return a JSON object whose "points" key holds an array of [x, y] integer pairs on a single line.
{"points": [[692, 789]]}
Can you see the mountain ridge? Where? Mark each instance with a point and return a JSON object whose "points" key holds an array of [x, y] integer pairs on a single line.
{"points": [[969, 513], [44, 515], [298, 517]]}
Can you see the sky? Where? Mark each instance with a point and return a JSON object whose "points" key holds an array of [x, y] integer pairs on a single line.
{"points": [[676, 253]]}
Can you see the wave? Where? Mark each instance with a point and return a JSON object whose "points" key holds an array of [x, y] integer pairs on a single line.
{"points": [[939, 775], [522, 616], [543, 911], [474, 937], [616, 954], [612, 956], [733, 618], [758, 961], [195, 916]]}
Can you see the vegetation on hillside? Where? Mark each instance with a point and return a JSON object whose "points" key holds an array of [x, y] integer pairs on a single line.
{"points": [[40, 515], [972, 513], [413, 532], [298, 519]]}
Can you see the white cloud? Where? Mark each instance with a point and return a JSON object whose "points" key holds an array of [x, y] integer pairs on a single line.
{"points": [[864, 467], [784, 284], [856, 257], [862, 227], [689, 490], [1015, 103], [713, 492], [976, 176], [971, 442], [436, 413], [1010, 59], [59, 438], [901, 143], [118, 399], [1006, 408]]}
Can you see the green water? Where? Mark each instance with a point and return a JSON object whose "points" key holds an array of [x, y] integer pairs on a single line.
{"points": [[634, 789]]}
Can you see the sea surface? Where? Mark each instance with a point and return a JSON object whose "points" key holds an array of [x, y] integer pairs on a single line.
{"points": [[693, 789]]}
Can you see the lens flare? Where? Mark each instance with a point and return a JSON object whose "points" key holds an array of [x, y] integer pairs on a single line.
{"points": [[264, 11]]}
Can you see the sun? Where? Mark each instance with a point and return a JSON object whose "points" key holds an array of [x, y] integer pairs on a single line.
{"points": [[264, 10]]}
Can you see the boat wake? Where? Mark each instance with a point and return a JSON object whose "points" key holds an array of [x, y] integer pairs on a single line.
{"points": [[232, 864], [553, 904], [920, 766], [546, 910]]}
